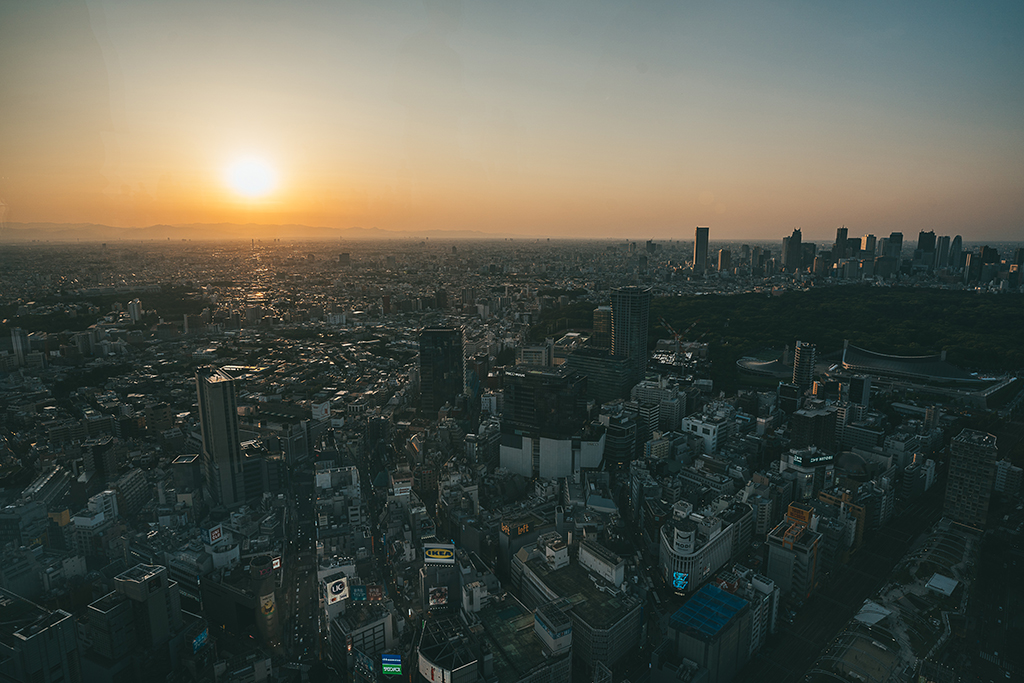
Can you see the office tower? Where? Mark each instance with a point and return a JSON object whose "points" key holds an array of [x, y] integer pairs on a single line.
{"points": [[792, 252], [19, 340], [956, 248], [602, 327], [793, 552], [839, 248], [942, 252], [548, 401], [608, 377], [36, 644], [926, 241], [803, 365], [218, 417], [544, 424], [724, 260], [700, 250], [142, 612], [135, 310], [867, 246], [442, 367], [924, 254], [808, 250], [895, 246], [631, 307], [972, 474], [441, 297], [858, 389]]}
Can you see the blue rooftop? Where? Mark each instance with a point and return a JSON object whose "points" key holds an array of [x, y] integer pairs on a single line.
{"points": [[708, 612]]}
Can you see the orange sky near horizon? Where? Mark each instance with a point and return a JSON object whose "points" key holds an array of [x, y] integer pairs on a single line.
{"points": [[558, 119]]}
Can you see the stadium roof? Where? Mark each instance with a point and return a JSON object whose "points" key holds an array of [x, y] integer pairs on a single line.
{"points": [[933, 368]]}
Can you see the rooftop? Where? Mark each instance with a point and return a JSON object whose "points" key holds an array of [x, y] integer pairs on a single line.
{"points": [[708, 612], [517, 649], [598, 607], [919, 367], [21, 619]]}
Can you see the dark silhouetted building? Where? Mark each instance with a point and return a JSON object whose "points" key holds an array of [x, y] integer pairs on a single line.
{"points": [[700, 250], [631, 309], [222, 454], [36, 644], [602, 337], [792, 252], [803, 365], [712, 628], [442, 367], [972, 475]]}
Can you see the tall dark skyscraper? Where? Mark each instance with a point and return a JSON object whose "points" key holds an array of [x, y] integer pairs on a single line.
{"points": [[895, 246], [442, 367], [792, 252], [955, 248], [631, 310], [803, 364], [700, 250], [19, 340], [602, 327], [867, 246], [942, 255], [972, 474], [222, 453], [839, 248], [926, 241]]}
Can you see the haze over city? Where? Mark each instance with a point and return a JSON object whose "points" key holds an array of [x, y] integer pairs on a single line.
{"points": [[578, 119], [580, 341]]}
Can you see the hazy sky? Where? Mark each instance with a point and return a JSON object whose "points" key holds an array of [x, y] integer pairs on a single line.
{"points": [[586, 118]]}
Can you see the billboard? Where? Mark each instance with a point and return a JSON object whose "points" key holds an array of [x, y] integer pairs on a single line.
{"points": [[200, 639], [374, 593], [213, 534], [276, 562], [358, 593], [432, 672], [322, 411], [268, 605], [337, 590], [438, 553], [364, 662], [391, 664], [438, 596], [515, 529]]}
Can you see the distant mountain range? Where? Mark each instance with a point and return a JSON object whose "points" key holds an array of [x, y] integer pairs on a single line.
{"points": [[91, 232]]}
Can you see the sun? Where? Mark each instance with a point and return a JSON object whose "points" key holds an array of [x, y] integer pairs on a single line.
{"points": [[251, 177]]}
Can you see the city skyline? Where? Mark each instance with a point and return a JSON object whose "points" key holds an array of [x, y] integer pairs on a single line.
{"points": [[567, 120]]}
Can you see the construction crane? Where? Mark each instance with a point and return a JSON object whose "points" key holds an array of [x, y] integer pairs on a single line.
{"points": [[676, 335]]}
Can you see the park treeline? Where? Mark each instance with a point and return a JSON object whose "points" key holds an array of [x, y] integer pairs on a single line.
{"points": [[979, 331]]}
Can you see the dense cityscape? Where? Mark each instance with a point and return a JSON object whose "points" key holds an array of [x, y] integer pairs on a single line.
{"points": [[512, 460]]}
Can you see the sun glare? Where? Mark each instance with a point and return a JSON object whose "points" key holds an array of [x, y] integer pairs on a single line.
{"points": [[251, 177]]}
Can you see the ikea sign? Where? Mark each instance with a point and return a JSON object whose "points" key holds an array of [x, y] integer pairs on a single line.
{"points": [[438, 553]]}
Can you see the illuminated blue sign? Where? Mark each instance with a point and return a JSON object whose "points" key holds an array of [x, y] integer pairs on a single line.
{"points": [[391, 664], [680, 580], [200, 639]]}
